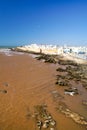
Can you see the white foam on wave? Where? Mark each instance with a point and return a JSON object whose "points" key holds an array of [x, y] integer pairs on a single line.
{"points": [[8, 52]]}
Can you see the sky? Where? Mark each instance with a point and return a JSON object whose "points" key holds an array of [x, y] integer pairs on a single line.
{"points": [[61, 22]]}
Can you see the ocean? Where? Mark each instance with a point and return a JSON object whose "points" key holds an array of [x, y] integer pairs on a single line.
{"points": [[7, 47], [7, 50]]}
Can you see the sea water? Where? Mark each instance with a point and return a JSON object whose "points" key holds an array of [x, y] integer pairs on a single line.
{"points": [[7, 50]]}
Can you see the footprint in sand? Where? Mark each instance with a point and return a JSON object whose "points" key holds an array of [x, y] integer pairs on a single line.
{"points": [[3, 91]]}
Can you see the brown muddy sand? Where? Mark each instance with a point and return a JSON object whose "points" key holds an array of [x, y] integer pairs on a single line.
{"points": [[27, 84]]}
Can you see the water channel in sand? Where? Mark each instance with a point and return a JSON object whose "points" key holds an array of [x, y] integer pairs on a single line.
{"points": [[29, 82]]}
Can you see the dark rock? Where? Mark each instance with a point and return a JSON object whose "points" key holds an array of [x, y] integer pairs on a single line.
{"points": [[48, 58], [62, 83], [60, 70], [71, 91], [67, 62]]}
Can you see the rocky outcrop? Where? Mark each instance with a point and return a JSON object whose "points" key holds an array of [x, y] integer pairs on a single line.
{"points": [[67, 62], [43, 118], [48, 58], [62, 82]]}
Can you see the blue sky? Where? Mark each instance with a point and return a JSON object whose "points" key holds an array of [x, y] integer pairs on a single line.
{"points": [[43, 22]]}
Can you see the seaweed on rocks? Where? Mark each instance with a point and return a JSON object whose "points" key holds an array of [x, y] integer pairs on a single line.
{"points": [[76, 73], [62, 107], [60, 70], [44, 119], [48, 58], [67, 62], [61, 82], [41, 110], [60, 77]]}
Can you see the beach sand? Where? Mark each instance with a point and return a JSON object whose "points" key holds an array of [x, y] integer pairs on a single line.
{"points": [[29, 82]]}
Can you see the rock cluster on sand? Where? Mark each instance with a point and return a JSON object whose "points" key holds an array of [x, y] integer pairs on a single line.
{"points": [[77, 73], [43, 118], [48, 58], [67, 62], [75, 116]]}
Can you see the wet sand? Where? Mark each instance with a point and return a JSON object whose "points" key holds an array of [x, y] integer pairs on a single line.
{"points": [[31, 82]]}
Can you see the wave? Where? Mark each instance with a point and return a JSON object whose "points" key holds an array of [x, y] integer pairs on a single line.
{"points": [[8, 52]]}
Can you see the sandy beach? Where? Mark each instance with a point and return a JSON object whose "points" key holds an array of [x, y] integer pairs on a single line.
{"points": [[28, 83]]}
